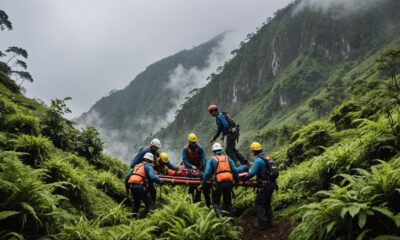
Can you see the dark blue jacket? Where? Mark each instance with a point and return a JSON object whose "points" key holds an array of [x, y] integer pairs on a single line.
{"points": [[139, 157], [149, 173], [212, 167], [185, 156], [259, 167], [223, 125]]}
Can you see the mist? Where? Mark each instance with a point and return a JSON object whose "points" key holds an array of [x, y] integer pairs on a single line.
{"points": [[344, 6]]}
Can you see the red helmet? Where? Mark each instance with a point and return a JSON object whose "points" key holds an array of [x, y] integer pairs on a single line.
{"points": [[212, 108]]}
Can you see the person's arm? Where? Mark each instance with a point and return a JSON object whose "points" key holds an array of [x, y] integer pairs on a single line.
{"points": [[203, 156], [233, 169], [209, 170], [242, 168], [150, 174], [254, 170], [138, 158], [224, 123], [185, 158], [171, 166], [220, 126], [126, 182]]}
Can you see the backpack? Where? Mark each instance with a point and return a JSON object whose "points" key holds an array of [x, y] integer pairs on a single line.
{"points": [[230, 120], [273, 168]]}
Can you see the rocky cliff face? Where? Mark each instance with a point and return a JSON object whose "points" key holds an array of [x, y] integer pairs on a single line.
{"points": [[293, 57]]}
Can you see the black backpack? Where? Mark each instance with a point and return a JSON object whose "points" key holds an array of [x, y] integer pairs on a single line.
{"points": [[273, 168], [230, 120]]}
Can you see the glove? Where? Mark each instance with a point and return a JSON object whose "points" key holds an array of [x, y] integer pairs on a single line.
{"points": [[222, 138], [200, 187]]}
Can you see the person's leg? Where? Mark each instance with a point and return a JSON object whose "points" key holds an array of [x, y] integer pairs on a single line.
{"points": [[148, 202], [136, 195], [197, 196], [260, 208], [152, 190], [207, 193], [268, 206], [216, 200], [227, 194], [230, 147]]}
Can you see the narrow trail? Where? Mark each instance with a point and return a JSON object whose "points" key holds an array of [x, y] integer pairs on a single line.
{"points": [[280, 230]]}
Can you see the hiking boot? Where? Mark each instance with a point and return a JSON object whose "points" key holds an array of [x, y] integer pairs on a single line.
{"points": [[258, 226]]}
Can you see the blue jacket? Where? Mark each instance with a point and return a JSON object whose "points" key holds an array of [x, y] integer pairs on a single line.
{"points": [[259, 167], [212, 167], [149, 173], [223, 125], [139, 157], [185, 156]]}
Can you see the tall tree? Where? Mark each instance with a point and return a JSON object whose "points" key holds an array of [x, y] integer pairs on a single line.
{"points": [[389, 63], [4, 22]]}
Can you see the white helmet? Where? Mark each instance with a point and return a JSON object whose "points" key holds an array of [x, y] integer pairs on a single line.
{"points": [[155, 142], [216, 147], [149, 156]]}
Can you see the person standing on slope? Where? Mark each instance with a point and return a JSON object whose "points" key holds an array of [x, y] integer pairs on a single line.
{"points": [[227, 127], [137, 181], [225, 173], [267, 173], [194, 157], [155, 145]]}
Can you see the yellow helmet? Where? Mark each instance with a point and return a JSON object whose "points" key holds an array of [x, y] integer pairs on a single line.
{"points": [[192, 137], [164, 157], [255, 146]]}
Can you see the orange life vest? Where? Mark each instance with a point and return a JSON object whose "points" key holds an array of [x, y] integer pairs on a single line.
{"points": [[194, 157], [223, 173], [138, 175]]}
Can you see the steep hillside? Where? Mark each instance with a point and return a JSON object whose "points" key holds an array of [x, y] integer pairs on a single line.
{"points": [[55, 183], [299, 55], [148, 103]]}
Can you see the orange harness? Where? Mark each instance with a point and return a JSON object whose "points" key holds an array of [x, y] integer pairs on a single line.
{"points": [[223, 173], [138, 175]]}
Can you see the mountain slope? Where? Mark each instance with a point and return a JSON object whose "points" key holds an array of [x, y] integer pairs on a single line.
{"points": [[295, 57], [149, 102]]}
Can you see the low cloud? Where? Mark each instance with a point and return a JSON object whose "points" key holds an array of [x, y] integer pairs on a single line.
{"points": [[345, 6]]}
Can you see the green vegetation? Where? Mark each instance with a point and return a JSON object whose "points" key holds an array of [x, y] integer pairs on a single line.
{"points": [[330, 118]]}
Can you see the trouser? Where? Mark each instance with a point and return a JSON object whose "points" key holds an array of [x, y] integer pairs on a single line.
{"points": [[196, 195], [139, 194], [223, 189], [263, 204], [152, 191], [207, 194], [230, 148]]}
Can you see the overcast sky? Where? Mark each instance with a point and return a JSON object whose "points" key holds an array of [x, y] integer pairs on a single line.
{"points": [[85, 48]]}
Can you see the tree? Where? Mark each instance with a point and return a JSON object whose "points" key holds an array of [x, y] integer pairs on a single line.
{"points": [[4, 22], [17, 51], [24, 76], [389, 63]]}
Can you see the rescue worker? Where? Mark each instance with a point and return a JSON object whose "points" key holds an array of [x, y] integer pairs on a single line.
{"points": [[137, 181], [267, 183], [155, 144], [194, 157], [162, 163], [227, 127], [224, 170]]}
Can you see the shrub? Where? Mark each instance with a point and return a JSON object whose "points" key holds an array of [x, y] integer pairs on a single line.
{"points": [[344, 116], [113, 165], [57, 128], [363, 206], [22, 124], [35, 150], [76, 187], [309, 142], [90, 145], [28, 206], [111, 185], [6, 108]]}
